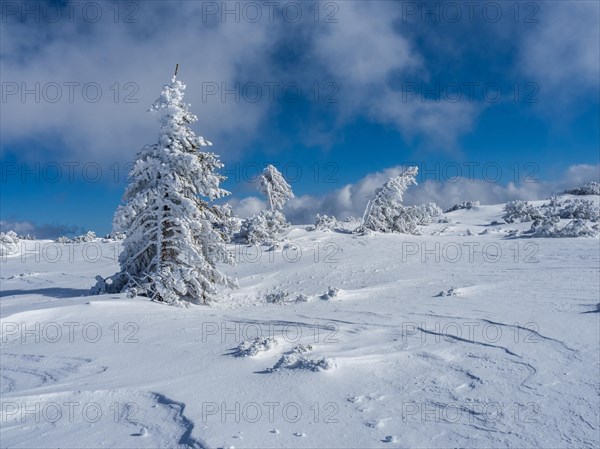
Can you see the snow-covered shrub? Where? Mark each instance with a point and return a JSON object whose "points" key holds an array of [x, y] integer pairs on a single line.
{"points": [[591, 188], [174, 236], [332, 292], [578, 228], [325, 223], [549, 227], [9, 237], [572, 209], [385, 212], [298, 361], [405, 222], [451, 292], [302, 298], [277, 297], [583, 209], [424, 214], [63, 239], [463, 205], [552, 207], [262, 227], [520, 211], [255, 347], [254, 229], [302, 349], [89, 236], [545, 227], [115, 235], [8, 243]]}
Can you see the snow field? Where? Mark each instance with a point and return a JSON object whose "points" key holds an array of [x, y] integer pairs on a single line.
{"points": [[510, 358]]}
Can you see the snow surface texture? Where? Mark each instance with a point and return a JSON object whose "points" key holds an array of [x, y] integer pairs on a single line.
{"points": [[510, 360]]}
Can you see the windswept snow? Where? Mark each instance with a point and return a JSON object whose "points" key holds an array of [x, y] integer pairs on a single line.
{"points": [[509, 359]]}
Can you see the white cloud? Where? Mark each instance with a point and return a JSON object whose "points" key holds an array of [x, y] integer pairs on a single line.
{"points": [[247, 206], [580, 174], [144, 54], [560, 51], [359, 53], [363, 52]]}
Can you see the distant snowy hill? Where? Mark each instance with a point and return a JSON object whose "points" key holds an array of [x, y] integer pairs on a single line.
{"points": [[470, 334]]}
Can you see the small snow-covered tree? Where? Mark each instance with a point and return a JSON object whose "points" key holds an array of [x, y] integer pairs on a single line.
{"points": [[325, 223], [385, 212], [424, 214], [174, 236], [264, 226], [275, 187]]}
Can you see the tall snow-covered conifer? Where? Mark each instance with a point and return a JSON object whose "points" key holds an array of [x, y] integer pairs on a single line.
{"points": [[174, 236], [275, 187]]}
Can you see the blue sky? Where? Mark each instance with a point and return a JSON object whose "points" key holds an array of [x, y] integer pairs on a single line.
{"points": [[369, 75]]}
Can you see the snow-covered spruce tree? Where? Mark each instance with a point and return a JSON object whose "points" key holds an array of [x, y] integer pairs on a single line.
{"points": [[174, 236], [264, 226], [385, 212]]}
